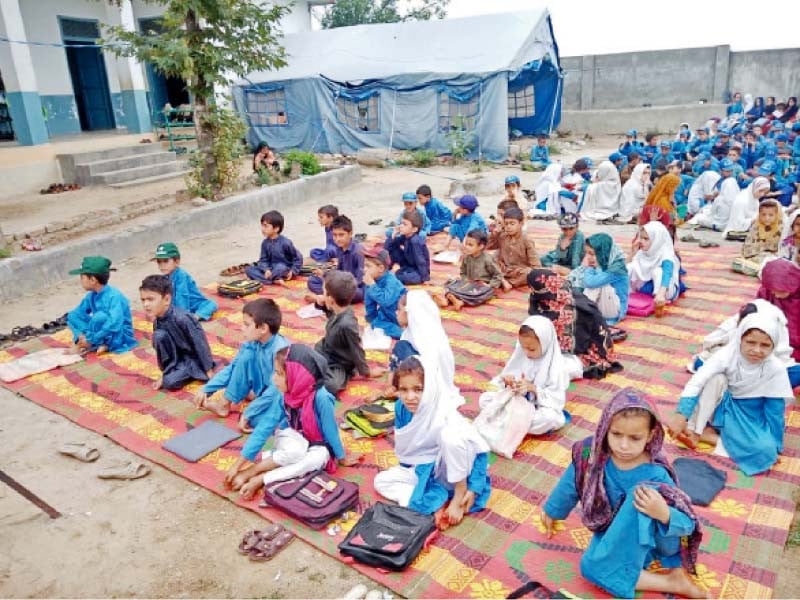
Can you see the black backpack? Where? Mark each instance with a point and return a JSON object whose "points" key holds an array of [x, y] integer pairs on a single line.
{"points": [[388, 536]]}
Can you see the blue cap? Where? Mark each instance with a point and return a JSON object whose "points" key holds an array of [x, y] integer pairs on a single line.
{"points": [[469, 202], [766, 168], [511, 179], [723, 131], [615, 156], [777, 126], [726, 164], [632, 133], [796, 126], [684, 132], [738, 129], [588, 161], [409, 197], [705, 129], [665, 144], [781, 137]]}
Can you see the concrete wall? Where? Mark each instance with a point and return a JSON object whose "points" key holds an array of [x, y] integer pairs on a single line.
{"points": [[663, 119], [766, 72]]}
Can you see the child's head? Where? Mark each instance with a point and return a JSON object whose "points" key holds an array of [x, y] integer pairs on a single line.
{"points": [[702, 134], [780, 278], [644, 239], [279, 370], [156, 295], [674, 167], [503, 206], [424, 194], [651, 139], [770, 99], [512, 184], [734, 153], [409, 381], [94, 271], [796, 226], [168, 257], [755, 345], [376, 263], [474, 242], [326, 214], [409, 201], [568, 222], [512, 221], [629, 432], [402, 311], [529, 342], [271, 224], [768, 214], [342, 231], [340, 288], [410, 223], [261, 319], [757, 131], [466, 204], [541, 141], [665, 147]]}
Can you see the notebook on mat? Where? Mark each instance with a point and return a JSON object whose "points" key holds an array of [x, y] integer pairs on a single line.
{"points": [[204, 439]]}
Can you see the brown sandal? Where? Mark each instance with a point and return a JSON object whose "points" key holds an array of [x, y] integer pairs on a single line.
{"points": [[267, 549], [252, 538]]}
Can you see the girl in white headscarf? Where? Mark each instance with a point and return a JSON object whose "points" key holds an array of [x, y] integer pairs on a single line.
{"points": [[702, 191], [790, 237], [601, 201], [655, 268], [538, 371], [442, 457], [745, 205], [548, 187], [634, 192], [739, 392]]}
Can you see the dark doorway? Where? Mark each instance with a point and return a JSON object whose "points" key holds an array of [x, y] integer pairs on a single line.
{"points": [[6, 127], [162, 89], [89, 82]]}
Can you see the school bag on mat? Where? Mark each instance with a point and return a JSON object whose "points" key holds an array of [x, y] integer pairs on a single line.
{"points": [[238, 288], [314, 499], [641, 305], [388, 536], [471, 293], [504, 421], [373, 419]]}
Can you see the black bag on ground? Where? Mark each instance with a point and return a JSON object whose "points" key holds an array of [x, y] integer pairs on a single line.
{"points": [[238, 288], [388, 536], [471, 293]]}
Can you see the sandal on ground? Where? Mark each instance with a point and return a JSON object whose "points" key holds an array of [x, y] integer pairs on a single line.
{"points": [[684, 439], [690, 238], [31, 245], [708, 244], [252, 538], [80, 451], [267, 549], [131, 470], [618, 335]]}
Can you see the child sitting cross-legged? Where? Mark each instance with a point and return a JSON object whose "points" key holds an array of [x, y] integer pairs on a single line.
{"points": [[249, 374], [569, 250], [180, 343], [465, 219], [349, 257], [438, 214], [185, 293], [102, 322], [763, 239], [631, 502], [303, 426], [408, 250], [279, 260], [476, 265], [382, 294], [326, 214], [516, 252], [410, 204]]}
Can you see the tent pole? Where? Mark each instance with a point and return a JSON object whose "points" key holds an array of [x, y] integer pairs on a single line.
{"points": [[553, 114], [391, 134], [480, 111]]}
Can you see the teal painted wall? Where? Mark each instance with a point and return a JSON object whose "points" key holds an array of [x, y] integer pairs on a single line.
{"points": [[61, 114]]}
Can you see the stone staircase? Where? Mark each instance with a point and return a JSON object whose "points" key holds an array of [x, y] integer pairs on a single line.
{"points": [[121, 167]]}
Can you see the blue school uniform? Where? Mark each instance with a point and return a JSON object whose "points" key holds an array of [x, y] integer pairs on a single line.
{"points": [[413, 257], [667, 267], [380, 304], [540, 155], [750, 154], [648, 152], [682, 193], [426, 223], [322, 255], [438, 214], [274, 417], [351, 259], [616, 557], [595, 278], [250, 371], [186, 295], [279, 257], [466, 223], [430, 494], [104, 318]]}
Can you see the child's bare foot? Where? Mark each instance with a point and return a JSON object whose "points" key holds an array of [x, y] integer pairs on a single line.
{"points": [[676, 423], [709, 435], [219, 408], [440, 300], [74, 349], [238, 482], [158, 383], [457, 304], [685, 585], [310, 298], [102, 349], [252, 487], [244, 425]]}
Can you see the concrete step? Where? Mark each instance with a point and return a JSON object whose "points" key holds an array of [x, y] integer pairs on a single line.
{"points": [[85, 172], [154, 178], [80, 158], [123, 175]]}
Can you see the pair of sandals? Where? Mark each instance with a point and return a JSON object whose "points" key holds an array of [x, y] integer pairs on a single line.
{"points": [[25, 332], [691, 239], [265, 544], [235, 270], [128, 470]]}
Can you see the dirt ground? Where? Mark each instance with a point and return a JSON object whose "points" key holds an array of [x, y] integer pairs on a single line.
{"points": [[162, 536]]}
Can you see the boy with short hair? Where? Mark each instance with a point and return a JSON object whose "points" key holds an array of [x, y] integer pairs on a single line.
{"points": [[437, 212], [102, 322], [326, 214], [349, 257], [540, 153], [650, 149], [502, 207], [408, 250], [185, 293], [341, 345], [383, 292], [476, 265], [279, 260], [465, 219], [250, 372], [182, 350], [513, 189], [410, 203], [516, 252]]}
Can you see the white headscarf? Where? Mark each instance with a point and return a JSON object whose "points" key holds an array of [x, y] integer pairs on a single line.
{"points": [[549, 373], [426, 334], [745, 206], [602, 195], [419, 441], [748, 102], [745, 379], [702, 187], [634, 193], [548, 186], [787, 223], [646, 261], [721, 207]]}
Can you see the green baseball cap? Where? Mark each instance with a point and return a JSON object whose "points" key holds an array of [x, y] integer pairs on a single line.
{"points": [[93, 265], [167, 250]]}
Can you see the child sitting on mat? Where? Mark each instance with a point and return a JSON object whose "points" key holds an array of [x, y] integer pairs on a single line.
{"points": [[279, 260], [465, 219], [326, 214], [410, 204], [632, 504], [102, 321], [185, 293], [383, 292], [409, 251], [443, 460], [303, 425], [516, 252], [182, 350], [655, 268], [763, 239], [349, 257], [476, 265], [569, 250], [249, 374], [437, 212]]}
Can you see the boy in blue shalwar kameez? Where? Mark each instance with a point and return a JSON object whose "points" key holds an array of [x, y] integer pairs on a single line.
{"points": [[185, 293], [408, 250], [279, 259], [438, 214], [382, 294], [465, 219], [410, 203], [102, 321]]}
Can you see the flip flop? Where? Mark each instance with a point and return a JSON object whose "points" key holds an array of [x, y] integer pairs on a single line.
{"points": [[267, 549], [80, 451], [252, 538], [708, 244], [685, 440], [131, 470], [690, 238]]}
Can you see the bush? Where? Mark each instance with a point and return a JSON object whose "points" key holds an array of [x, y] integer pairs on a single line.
{"points": [[554, 150], [423, 158], [227, 130], [307, 160], [262, 176], [460, 140]]}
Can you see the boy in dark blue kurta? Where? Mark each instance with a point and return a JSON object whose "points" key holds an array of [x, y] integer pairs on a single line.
{"points": [[408, 250], [383, 293], [279, 260], [185, 293], [349, 257], [326, 214], [102, 321]]}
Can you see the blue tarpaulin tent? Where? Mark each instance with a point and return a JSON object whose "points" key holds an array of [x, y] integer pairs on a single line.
{"points": [[409, 85]]}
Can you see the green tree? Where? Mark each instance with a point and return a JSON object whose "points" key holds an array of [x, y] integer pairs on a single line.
{"points": [[358, 12], [207, 43]]}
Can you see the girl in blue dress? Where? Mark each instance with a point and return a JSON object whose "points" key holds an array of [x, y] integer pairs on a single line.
{"points": [[630, 500]]}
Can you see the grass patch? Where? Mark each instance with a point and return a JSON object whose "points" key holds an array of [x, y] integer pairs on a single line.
{"points": [[5, 252]]}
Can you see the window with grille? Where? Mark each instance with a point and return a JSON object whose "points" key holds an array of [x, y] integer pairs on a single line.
{"points": [[362, 115], [266, 108], [456, 115], [521, 103], [79, 29]]}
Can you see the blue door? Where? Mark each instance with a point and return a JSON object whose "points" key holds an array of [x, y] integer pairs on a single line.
{"points": [[90, 85]]}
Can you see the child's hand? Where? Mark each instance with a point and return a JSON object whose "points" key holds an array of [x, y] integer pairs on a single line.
{"points": [[507, 285], [289, 275], [368, 279], [158, 383], [200, 398], [549, 525], [649, 502], [508, 381], [375, 372], [101, 349], [676, 423], [661, 297], [318, 272], [522, 387], [267, 274]]}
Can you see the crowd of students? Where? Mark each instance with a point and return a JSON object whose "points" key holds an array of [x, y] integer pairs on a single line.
{"points": [[579, 296]]}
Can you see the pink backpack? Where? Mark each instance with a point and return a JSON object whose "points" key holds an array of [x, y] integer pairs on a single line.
{"points": [[641, 305]]}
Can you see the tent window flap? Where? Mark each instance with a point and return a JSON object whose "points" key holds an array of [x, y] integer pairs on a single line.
{"points": [[360, 114], [266, 108], [521, 102], [457, 115]]}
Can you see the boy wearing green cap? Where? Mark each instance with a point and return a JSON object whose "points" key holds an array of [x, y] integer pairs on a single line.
{"points": [[102, 321], [186, 294]]}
